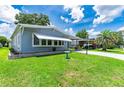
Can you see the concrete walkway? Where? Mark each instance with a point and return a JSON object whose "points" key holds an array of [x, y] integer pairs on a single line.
{"points": [[113, 55]]}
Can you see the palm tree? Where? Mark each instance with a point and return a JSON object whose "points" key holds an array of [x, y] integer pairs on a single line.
{"points": [[107, 39]]}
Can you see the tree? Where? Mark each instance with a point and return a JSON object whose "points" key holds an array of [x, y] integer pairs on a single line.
{"points": [[3, 40], [82, 34], [120, 41], [107, 39], [37, 19]]}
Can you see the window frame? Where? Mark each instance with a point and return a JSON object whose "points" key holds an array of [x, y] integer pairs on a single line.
{"points": [[52, 43], [45, 42], [33, 41], [60, 43], [48, 42], [56, 42]]}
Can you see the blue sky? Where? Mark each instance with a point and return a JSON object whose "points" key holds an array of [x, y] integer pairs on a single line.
{"points": [[68, 18]]}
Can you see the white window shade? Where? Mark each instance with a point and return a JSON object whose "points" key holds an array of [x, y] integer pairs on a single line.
{"points": [[39, 36]]}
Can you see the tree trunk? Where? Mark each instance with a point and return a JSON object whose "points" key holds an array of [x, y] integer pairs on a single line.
{"points": [[104, 49]]}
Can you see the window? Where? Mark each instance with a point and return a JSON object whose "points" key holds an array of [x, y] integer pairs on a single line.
{"points": [[43, 42], [36, 40], [49, 42], [60, 43], [55, 42]]}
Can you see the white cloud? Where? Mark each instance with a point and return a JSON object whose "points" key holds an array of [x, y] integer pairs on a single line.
{"points": [[91, 30], [7, 13], [121, 28], [95, 33], [6, 29], [67, 7], [70, 31], [106, 13], [64, 19], [92, 33], [76, 12]]}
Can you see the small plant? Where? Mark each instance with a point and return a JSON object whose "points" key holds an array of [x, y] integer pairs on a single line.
{"points": [[1, 45], [78, 47], [12, 50]]}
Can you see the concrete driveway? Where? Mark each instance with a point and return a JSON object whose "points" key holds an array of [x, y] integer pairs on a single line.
{"points": [[113, 55]]}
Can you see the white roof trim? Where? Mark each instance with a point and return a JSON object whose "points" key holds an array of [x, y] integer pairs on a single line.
{"points": [[39, 26], [39, 36], [51, 27], [35, 26]]}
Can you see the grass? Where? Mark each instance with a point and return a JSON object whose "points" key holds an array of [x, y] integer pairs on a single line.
{"points": [[115, 50], [55, 70]]}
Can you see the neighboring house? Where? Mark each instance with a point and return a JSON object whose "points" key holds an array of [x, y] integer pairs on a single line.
{"points": [[34, 38], [122, 33], [85, 41], [74, 43], [1, 45]]}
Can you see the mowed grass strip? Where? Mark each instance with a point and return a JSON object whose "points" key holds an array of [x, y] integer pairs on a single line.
{"points": [[55, 70]]}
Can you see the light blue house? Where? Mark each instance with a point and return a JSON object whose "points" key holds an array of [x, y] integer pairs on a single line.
{"points": [[30, 39]]}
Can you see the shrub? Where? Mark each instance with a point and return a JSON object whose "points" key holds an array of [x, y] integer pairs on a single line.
{"points": [[1, 45], [13, 51], [78, 47]]}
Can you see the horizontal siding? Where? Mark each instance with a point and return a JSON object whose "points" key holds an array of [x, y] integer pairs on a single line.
{"points": [[14, 44]]}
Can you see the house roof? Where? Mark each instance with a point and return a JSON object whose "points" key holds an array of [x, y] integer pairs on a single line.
{"points": [[35, 26], [39, 36], [92, 39], [38, 26]]}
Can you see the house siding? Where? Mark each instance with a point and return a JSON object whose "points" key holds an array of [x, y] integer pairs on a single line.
{"points": [[16, 41], [26, 45]]}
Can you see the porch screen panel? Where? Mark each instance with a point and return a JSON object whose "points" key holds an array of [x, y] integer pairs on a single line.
{"points": [[49, 42], [36, 40], [43, 42]]}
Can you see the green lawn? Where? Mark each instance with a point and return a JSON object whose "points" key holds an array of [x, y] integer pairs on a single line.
{"points": [[55, 70], [115, 50]]}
